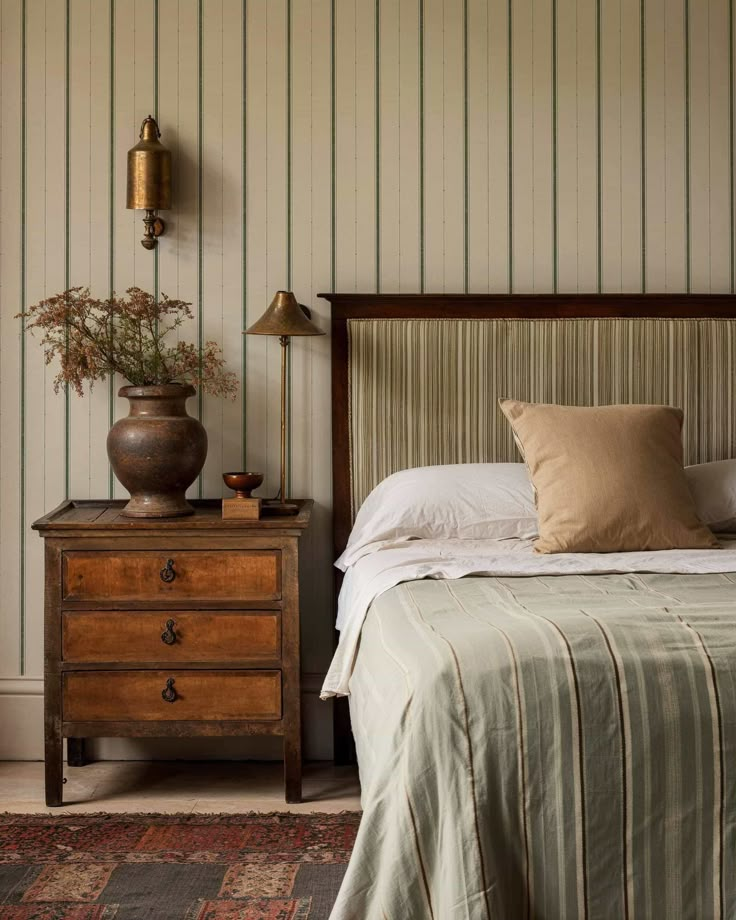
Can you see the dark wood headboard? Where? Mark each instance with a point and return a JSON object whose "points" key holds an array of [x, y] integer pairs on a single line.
{"points": [[349, 307]]}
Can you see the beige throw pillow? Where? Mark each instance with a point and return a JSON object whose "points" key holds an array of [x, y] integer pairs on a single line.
{"points": [[607, 478]]}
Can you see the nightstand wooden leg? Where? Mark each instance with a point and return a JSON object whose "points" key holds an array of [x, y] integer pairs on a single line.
{"points": [[76, 752], [54, 768], [293, 767]]}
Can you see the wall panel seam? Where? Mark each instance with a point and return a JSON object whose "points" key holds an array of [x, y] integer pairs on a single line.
{"points": [[23, 276]]}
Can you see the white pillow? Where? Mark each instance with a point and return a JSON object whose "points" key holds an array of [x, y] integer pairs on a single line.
{"points": [[471, 501], [714, 489]]}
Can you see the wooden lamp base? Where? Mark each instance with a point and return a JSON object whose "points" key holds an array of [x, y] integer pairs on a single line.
{"points": [[275, 507]]}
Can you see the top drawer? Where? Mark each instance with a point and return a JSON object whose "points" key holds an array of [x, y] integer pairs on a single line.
{"points": [[227, 575]]}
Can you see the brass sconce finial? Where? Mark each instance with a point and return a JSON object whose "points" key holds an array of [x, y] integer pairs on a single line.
{"points": [[149, 180]]}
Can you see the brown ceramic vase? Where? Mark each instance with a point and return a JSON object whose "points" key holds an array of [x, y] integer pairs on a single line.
{"points": [[158, 450]]}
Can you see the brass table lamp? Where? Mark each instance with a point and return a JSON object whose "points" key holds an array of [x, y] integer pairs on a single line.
{"points": [[283, 318]]}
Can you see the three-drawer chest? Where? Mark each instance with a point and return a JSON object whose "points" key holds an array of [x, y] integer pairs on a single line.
{"points": [[171, 627]]}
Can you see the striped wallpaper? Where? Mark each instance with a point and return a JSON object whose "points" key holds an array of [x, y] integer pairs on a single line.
{"points": [[394, 145]]}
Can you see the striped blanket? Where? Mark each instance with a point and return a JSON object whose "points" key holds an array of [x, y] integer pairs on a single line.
{"points": [[556, 747]]}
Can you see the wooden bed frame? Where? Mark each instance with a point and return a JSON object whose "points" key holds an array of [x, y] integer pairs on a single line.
{"points": [[346, 307]]}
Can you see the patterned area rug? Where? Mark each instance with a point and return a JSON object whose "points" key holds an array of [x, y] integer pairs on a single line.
{"points": [[173, 867]]}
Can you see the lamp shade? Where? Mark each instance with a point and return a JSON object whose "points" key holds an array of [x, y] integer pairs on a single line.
{"points": [[284, 317], [149, 171]]}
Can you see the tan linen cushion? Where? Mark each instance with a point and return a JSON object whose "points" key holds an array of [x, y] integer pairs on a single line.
{"points": [[607, 478]]}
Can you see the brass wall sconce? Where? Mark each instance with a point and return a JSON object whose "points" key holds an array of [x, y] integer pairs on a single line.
{"points": [[149, 180], [284, 318]]}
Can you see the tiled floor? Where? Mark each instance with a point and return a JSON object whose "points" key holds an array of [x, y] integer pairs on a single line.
{"points": [[178, 787]]}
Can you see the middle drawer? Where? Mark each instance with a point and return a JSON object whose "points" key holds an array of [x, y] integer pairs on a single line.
{"points": [[171, 636]]}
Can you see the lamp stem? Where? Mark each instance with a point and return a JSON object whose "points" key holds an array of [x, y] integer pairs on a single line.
{"points": [[284, 341]]}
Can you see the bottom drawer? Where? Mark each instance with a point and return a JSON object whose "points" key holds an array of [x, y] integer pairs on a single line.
{"points": [[171, 696]]}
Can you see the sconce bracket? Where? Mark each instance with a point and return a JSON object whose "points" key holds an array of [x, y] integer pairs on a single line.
{"points": [[155, 227]]}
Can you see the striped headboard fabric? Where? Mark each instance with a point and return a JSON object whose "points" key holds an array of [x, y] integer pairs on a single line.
{"points": [[425, 391]]}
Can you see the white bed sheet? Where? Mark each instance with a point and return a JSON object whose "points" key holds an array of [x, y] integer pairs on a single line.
{"points": [[391, 564]]}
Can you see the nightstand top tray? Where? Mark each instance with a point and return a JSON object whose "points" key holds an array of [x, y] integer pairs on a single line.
{"points": [[107, 515]]}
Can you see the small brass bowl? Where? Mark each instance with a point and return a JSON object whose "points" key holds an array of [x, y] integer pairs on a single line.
{"points": [[242, 483]]}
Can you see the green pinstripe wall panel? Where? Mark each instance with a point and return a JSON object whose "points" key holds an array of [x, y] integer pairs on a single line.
{"points": [[399, 145]]}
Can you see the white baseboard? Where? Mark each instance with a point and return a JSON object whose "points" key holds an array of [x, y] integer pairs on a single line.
{"points": [[21, 718], [21, 731], [21, 686]]}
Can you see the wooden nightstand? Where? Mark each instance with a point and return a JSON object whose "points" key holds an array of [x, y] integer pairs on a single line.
{"points": [[178, 627]]}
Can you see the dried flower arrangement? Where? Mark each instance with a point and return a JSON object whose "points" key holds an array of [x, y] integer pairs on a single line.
{"points": [[128, 336]]}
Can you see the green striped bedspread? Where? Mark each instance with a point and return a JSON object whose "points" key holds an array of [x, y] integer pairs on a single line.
{"points": [[553, 747]]}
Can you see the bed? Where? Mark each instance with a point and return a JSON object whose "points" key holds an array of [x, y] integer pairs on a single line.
{"points": [[537, 736]]}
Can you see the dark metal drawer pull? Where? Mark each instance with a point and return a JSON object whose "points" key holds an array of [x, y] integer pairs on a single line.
{"points": [[167, 572], [168, 637], [168, 693]]}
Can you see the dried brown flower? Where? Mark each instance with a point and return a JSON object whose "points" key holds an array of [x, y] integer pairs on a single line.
{"points": [[127, 336]]}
